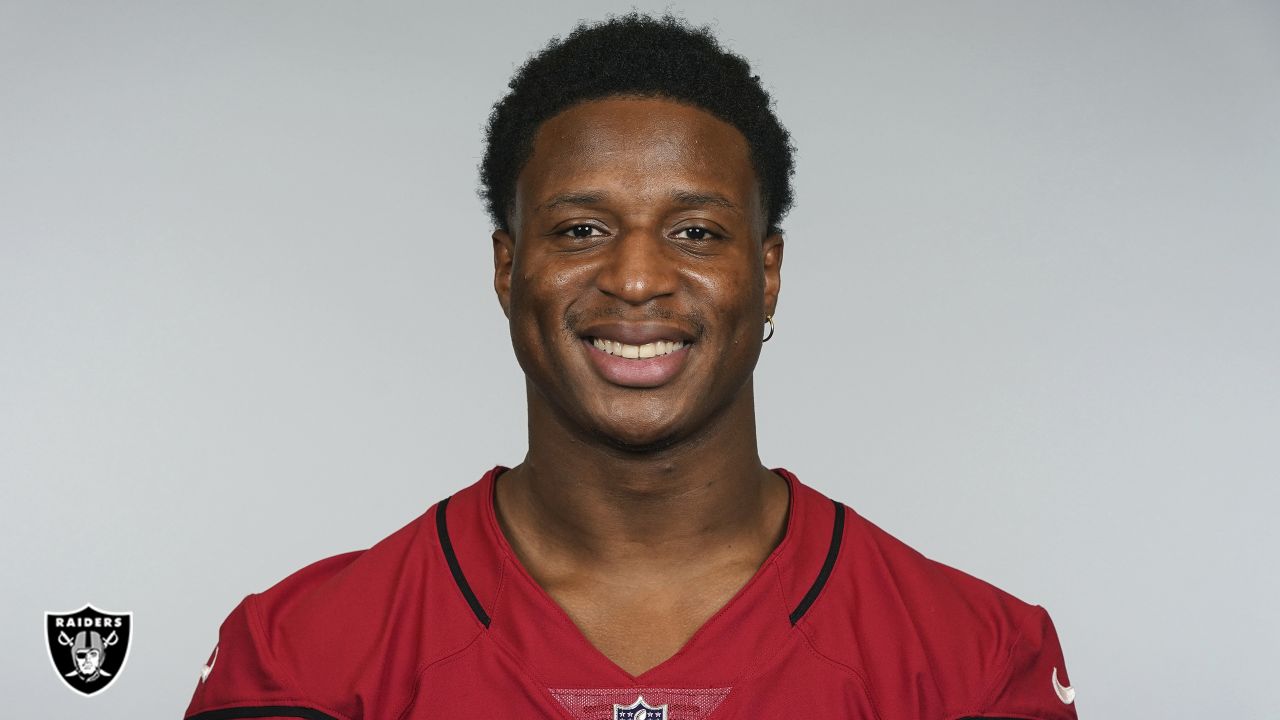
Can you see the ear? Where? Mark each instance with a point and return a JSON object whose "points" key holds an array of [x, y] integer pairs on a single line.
{"points": [[771, 255], [504, 253]]}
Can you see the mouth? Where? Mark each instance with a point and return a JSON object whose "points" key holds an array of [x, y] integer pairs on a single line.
{"points": [[648, 365], [657, 348]]}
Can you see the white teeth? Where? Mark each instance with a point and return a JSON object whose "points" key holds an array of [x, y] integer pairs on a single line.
{"points": [[637, 352]]}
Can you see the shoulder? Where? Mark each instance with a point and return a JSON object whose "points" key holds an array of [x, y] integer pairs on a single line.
{"points": [[344, 636], [922, 633]]}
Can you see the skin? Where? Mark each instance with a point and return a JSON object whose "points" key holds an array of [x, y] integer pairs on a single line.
{"points": [[628, 210]]}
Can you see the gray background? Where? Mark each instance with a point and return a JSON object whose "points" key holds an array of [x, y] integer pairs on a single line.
{"points": [[1028, 320]]}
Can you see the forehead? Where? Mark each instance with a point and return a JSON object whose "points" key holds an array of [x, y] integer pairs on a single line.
{"points": [[642, 145]]}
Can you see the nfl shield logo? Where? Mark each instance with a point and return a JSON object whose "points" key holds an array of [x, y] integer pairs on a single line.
{"points": [[88, 647], [639, 710]]}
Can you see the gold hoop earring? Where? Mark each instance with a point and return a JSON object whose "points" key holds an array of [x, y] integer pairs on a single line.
{"points": [[769, 319]]}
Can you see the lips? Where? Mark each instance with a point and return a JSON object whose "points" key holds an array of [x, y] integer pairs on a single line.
{"points": [[637, 372], [638, 355]]}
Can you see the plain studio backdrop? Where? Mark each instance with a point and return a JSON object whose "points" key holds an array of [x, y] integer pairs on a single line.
{"points": [[1028, 321]]}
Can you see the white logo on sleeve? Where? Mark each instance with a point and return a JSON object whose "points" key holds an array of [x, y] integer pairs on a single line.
{"points": [[204, 671], [1066, 694]]}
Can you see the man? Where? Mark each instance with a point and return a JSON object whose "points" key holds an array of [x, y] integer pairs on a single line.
{"points": [[641, 562]]}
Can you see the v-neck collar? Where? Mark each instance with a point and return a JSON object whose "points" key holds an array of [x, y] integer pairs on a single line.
{"points": [[542, 637]]}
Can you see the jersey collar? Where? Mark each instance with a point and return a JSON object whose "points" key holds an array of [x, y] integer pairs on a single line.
{"points": [[538, 635]]}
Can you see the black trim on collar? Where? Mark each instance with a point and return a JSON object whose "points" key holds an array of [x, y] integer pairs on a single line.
{"points": [[442, 529], [264, 711], [837, 533]]}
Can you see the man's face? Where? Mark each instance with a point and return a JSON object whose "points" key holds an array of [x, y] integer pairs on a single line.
{"points": [[87, 661], [637, 226]]}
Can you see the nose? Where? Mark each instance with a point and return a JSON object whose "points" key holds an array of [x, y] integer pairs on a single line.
{"points": [[638, 268]]}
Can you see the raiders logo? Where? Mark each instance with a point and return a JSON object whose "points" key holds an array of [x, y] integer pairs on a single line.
{"points": [[88, 647], [639, 710]]}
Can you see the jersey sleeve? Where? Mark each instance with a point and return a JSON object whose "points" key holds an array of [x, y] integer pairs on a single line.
{"points": [[1033, 682], [242, 680]]}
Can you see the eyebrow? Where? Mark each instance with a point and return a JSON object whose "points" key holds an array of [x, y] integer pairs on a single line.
{"points": [[595, 197], [687, 197], [572, 198]]}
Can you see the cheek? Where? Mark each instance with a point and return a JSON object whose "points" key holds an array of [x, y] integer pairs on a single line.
{"points": [[543, 295], [732, 301], [547, 286]]}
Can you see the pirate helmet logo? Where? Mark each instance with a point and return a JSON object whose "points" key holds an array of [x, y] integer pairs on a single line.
{"points": [[88, 647]]}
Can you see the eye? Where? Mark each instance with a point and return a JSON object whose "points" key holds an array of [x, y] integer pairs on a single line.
{"points": [[582, 231], [695, 233]]}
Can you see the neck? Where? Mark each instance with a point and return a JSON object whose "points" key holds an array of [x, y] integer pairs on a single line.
{"points": [[578, 502]]}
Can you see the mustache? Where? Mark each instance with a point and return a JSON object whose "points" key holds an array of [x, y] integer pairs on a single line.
{"points": [[693, 320]]}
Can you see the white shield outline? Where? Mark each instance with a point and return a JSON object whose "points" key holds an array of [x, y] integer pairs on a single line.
{"points": [[52, 663], [640, 704]]}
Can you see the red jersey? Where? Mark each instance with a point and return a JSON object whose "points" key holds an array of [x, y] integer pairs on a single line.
{"points": [[440, 620]]}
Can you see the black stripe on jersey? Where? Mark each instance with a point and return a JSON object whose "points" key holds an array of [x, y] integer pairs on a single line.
{"points": [[837, 533], [442, 529], [265, 711]]}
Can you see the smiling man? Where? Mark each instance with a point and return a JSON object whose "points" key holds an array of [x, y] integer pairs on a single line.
{"points": [[640, 563]]}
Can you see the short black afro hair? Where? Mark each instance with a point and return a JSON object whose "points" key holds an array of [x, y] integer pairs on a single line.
{"points": [[635, 54]]}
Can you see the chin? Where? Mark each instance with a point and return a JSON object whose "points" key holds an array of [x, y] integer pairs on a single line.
{"points": [[631, 434]]}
